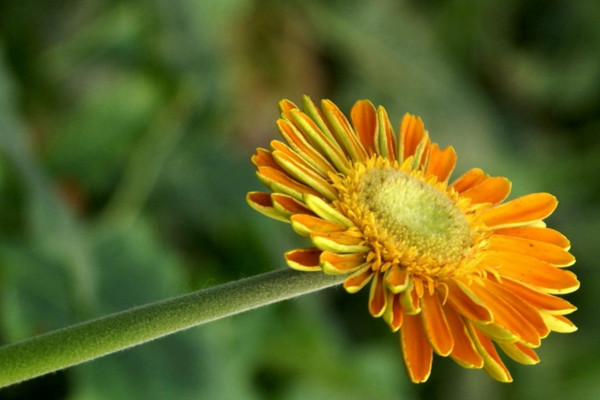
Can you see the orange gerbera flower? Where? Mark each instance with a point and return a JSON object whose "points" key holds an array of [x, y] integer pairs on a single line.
{"points": [[450, 266]]}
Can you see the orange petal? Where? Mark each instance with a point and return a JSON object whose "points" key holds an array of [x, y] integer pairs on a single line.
{"points": [[333, 263], [393, 312], [505, 315], [529, 208], [277, 181], [264, 158], [397, 279], [520, 353], [307, 225], [343, 131], [493, 365], [303, 259], [262, 203], [539, 300], [542, 251], [546, 235], [299, 143], [469, 179], [529, 313], [533, 272], [490, 190], [466, 303], [435, 324], [441, 162], [358, 279], [287, 205], [377, 296], [285, 106], [412, 132], [416, 350], [364, 119], [464, 351]]}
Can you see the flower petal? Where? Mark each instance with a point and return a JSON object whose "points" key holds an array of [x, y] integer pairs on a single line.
{"points": [[525, 209], [262, 203], [385, 140], [286, 205], [493, 365], [558, 323], [339, 242], [320, 140], [545, 235], [397, 279], [358, 279], [412, 132], [303, 259], [280, 182], [505, 315], [531, 271], [298, 142], [324, 210], [542, 251], [538, 299], [464, 351], [333, 263], [441, 162], [469, 179], [393, 312], [343, 132], [416, 350], [377, 296], [307, 225], [303, 172], [364, 119], [490, 190], [520, 353], [435, 324], [466, 303], [264, 158]]}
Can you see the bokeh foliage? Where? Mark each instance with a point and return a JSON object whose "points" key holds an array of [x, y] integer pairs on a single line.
{"points": [[125, 134]]}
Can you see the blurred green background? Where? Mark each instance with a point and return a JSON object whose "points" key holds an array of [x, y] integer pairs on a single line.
{"points": [[126, 129]]}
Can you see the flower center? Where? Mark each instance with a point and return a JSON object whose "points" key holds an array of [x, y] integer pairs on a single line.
{"points": [[415, 213]]}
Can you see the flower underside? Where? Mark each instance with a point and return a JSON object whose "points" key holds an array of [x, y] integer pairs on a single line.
{"points": [[453, 267]]}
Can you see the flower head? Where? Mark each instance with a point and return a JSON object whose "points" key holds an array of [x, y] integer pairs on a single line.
{"points": [[450, 265]]}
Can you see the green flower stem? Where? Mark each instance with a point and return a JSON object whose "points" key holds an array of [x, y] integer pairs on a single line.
{"points": [[79, 343]]}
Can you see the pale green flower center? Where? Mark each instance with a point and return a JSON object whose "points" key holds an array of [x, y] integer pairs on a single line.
{"points": [[415, 213]]}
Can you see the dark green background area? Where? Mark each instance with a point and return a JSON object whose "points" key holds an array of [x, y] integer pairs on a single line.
{"points": [[126, 130]]}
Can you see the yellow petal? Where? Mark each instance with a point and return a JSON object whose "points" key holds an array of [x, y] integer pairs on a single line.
{"points": [[520, 353], [466, 303], [397, 279], [324, 210], [393, 312], [493, 365]]}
